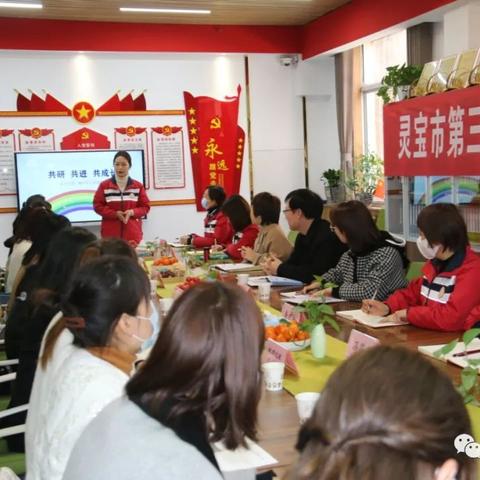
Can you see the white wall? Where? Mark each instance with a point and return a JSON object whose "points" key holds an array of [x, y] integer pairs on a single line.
{"points": [[276, 113], [277, 123], [316, 80]]}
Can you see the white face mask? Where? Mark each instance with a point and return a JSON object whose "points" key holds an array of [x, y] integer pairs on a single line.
{"points": [[425, 249], [155, 322], [204, 203]]}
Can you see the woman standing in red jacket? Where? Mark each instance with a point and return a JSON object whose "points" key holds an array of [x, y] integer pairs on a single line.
{"points": [[217, 227], [447, 296], [237, 209], [121, 201]]}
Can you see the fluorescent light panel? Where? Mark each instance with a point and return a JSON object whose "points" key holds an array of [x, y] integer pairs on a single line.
{"points": [[20, 5], [165, 10]]}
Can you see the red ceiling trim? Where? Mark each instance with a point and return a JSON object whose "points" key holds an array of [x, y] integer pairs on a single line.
{"points": [[346, 24], [360, 18], [34, 34]]}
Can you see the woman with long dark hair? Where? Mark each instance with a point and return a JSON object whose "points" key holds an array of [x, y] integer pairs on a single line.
{"points": [[237, 210], [200, 384], [375, 263], [107, 313]]}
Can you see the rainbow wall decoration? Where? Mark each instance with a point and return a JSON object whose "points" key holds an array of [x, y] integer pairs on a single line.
{"points": [[72, 201], [468, 189]]}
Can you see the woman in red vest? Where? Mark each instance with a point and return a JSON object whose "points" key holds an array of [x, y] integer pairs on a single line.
{"points": [[217, 227], [121, 201]]}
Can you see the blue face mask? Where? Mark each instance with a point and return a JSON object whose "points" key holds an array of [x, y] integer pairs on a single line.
{"points": [[204, 203], [154, 320]]}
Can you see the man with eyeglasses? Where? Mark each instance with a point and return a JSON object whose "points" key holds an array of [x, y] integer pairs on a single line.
{"points": [[317, 248]]}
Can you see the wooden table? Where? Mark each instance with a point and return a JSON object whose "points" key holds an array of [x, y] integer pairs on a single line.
{"points": [[278, 419]]}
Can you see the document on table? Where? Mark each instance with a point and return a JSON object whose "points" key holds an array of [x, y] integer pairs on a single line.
{"points": [[374, 321], [242, 458], [299, 298], [456, 356], [274, 281], [234, 267]]}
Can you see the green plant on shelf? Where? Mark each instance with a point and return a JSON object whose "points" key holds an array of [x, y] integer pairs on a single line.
{"points": [[398, 76], [332, 177], [469, 387], [367, 172]]}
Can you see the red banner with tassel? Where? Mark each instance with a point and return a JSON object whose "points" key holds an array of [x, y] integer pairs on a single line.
{"points": [[216, 143]]}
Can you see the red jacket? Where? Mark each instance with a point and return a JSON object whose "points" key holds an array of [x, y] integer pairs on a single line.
{"points": [[448, 301], [108, 200], [245, 238], [217, 227]]}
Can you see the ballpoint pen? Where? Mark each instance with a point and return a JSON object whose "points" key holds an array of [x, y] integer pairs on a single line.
{"points": [[467, 352]]}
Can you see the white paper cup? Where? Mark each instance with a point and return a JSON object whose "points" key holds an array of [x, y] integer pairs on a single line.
{"points": [[305, 404], [242, 279], [165, 305], [273, 375], [264, 290]]}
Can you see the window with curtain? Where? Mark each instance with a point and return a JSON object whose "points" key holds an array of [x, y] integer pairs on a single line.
{"points": [[377, 56]]}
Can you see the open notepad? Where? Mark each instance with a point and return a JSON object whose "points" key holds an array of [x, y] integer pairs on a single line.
{"points": [[453, 356], [299, 298], [374, 321]]}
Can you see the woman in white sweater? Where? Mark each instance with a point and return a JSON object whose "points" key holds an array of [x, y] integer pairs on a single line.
{"points": [[200, 384], [108, 313]]}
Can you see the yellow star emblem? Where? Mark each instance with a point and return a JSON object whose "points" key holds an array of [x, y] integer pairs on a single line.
{"points": [[83, 112], [194, 140], [192, 121], [194, 150], [193, 131], [191, 111]]}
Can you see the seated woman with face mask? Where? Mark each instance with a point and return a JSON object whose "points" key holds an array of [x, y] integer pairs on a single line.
{"points": [[447, 296], [108, 312]]}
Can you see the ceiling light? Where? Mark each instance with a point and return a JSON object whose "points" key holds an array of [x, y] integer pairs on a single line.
{"points": [[20, 5], [165, 10]]}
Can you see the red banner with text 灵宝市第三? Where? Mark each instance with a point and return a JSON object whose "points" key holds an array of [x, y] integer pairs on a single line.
{"points": [[216, 143], [434, 135]]}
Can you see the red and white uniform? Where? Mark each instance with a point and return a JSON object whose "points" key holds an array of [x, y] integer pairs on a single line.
{"points": [[447, 300], [217, 228], [109, 199], [245, 238]]}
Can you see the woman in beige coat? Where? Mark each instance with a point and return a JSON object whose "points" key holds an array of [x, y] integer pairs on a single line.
{"points": [[271, 239]]}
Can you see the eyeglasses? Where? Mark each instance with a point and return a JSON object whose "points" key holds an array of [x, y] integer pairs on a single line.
{"points": [[287, 210]]}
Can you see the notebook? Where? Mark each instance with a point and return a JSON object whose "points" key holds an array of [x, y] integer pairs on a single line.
{"points": [[242, 459], [450, 357], [299, 298], [238, 267], [274, 281], [374, 321]]}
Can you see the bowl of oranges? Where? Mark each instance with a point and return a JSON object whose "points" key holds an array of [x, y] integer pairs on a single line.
{"points": [[289, 335]]}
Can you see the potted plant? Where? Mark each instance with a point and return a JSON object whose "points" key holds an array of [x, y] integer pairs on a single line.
{"points": [[366, 173], [333, 185], [317, 315], [469, 387], [396, 83]]}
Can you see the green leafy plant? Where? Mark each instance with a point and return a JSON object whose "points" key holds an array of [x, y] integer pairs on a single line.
{"points": [[318, 313], [397, 76], [332, 177], [368, 170], [469, 387]]}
